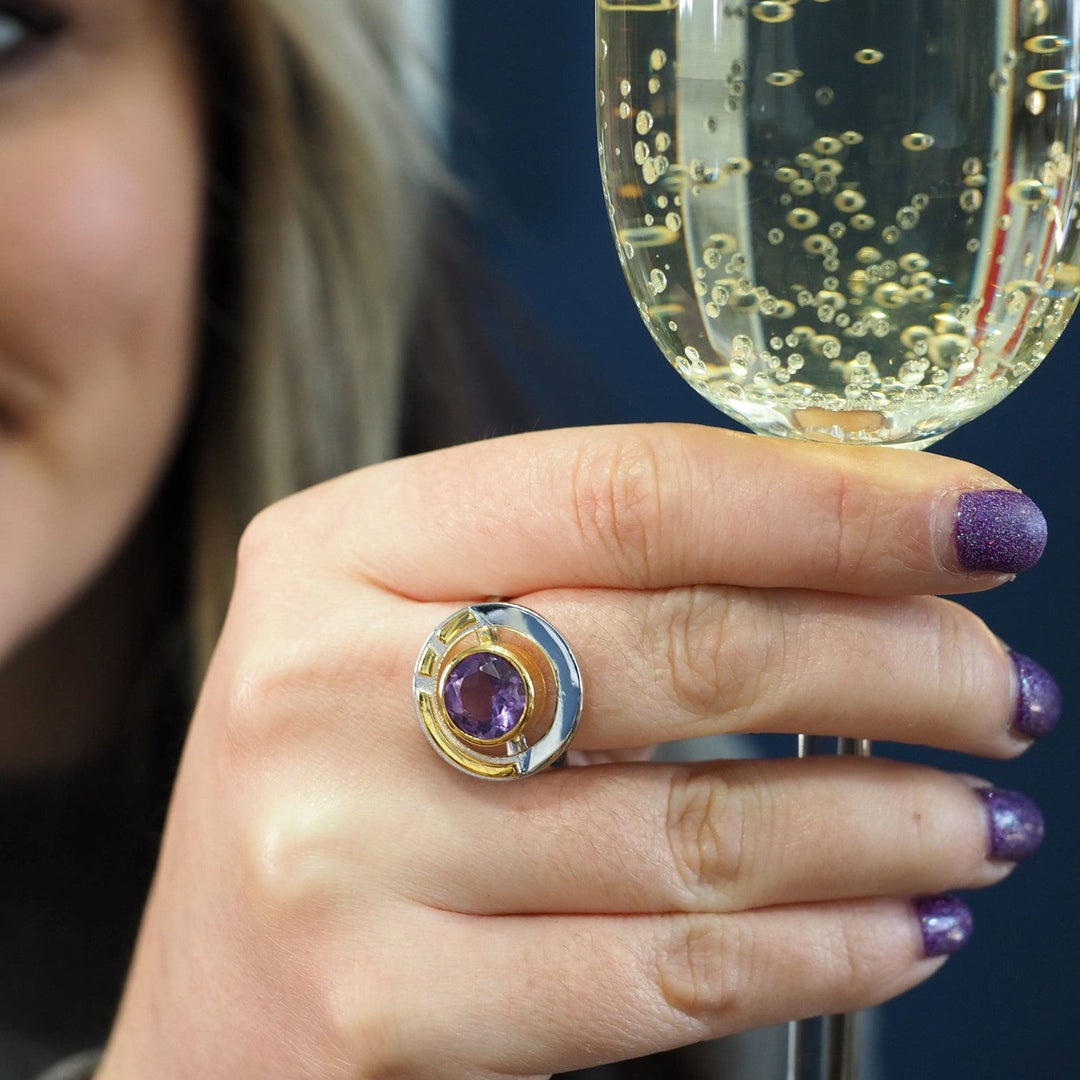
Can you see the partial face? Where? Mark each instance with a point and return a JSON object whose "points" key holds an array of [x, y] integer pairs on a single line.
{"points": [[100, 206]]}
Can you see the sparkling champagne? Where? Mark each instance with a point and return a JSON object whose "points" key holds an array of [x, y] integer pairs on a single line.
{"points": [[848, 220]]}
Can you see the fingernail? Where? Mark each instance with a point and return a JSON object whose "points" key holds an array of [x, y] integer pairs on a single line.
{"points": [[1016, 825], [1038, 705], [999, 531], [946, 924]]}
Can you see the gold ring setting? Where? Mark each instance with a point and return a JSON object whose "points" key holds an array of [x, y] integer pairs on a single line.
{"points": [[498, 691]]}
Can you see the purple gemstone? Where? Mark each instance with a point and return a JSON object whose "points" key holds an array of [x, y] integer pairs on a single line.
{"points": [[485, 696]]}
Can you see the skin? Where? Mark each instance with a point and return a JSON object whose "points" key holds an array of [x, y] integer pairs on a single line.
{"points": [[100, 205], [332, 900]]}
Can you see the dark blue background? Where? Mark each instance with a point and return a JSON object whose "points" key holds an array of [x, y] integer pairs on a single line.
{"points": [[1006, 1008]]}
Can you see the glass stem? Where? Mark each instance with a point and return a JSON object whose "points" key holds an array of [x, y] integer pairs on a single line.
{"points": [[826, 1047]]}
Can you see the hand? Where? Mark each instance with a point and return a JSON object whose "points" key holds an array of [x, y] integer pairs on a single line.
{"points": [[335, 901]]}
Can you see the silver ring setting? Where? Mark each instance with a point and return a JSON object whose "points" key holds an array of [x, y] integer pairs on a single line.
{"points": [[498, 691]]}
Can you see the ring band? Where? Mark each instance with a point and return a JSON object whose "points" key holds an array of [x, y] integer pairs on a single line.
{"points": [[498, 691]]}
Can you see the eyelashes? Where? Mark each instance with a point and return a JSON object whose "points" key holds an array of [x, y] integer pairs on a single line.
{"points": [[26, 24]]}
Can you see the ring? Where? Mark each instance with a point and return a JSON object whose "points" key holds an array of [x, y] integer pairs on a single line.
{"points": [[498, 691]]}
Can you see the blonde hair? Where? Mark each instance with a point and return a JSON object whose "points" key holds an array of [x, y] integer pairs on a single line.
{"points": [[337, 175]]}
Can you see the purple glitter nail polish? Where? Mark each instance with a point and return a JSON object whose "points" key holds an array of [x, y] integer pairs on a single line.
{"points": [[1016, 825], [946, 924], [1038, 707], [999, 531]]}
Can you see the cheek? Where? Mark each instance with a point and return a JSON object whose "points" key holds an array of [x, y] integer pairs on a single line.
{"points": [[99, 259]]}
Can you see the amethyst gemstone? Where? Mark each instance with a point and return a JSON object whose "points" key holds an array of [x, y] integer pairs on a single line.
{"points": [[485, 696]]}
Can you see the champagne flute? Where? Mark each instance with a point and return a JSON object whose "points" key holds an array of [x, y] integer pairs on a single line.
{"points": [[847, 221]]}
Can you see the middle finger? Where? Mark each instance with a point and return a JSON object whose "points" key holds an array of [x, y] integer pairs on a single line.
{"points": [[692, 662]]}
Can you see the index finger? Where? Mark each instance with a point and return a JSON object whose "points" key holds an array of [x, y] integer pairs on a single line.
{"points": [[658, 506]]}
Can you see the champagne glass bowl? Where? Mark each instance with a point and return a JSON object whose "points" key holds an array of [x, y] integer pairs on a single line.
{"points": [[845, 221]]}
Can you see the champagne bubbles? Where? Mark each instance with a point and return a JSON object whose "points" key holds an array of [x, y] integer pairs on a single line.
{"points": [[1027, 192], [818, 244], [890, 295], [917, 141], [913, 262], [1044, 44], [802, 218], [773, 11], [827, 145], [971, 200], [1054, 79], [864, 251], [907, 217], [849, 201], [827, 345]]}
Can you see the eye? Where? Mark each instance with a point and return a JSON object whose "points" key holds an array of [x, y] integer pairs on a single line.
{"points": [[12, 32], [24, 24]]}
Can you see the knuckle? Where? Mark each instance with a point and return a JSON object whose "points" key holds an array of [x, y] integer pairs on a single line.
{"points": [[257, 542], [370, 1033], [697, 650], [273, 539], [960, 674], [281, 689], [286, 860], [706, 834], [854, 528], [255, 712], [855, 958], [705, 971], [619, 491], [721, 652], [847, 526]]}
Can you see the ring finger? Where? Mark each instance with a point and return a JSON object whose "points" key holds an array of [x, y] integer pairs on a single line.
{"points": [[690, 662]]}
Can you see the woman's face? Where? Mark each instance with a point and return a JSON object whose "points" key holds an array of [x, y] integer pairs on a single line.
{"points": [[101, 159]]}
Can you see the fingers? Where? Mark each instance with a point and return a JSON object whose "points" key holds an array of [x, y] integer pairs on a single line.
{"points": [[654, 507], [570, 992], [724, 837], [685, 663]]}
